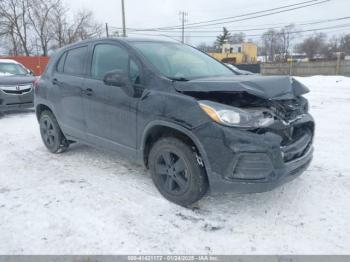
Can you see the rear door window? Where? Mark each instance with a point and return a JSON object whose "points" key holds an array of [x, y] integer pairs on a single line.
{"points": [[75, 61]]}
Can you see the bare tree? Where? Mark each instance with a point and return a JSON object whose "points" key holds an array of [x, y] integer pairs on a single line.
{"points": [[60, 26], [40, 16], [312, 45], [271, 45], [83, 27], [288, 34], [345, 44], [14, 47], [9, 41], [330, 49], [3, 26], [45, 24], [237, 38], [15, 15]]}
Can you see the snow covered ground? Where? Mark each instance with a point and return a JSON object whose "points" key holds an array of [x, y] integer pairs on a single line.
{"points": [[88, 201]]}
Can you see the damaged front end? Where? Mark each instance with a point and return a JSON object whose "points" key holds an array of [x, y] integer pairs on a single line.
{"points": [[266, 139]]}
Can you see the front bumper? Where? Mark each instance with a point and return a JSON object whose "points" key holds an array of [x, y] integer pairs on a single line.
{"points": [[248, 162], [291, 171], [14, 101]]}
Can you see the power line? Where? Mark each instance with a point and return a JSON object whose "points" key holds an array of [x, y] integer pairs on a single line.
{"points": [[200, 24], [250, 29], [220, 27], [209, 22], [263, 15], [257, 35], [249, 14]]}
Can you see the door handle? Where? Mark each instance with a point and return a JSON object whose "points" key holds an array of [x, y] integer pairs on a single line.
{"points": [[88, 92], [56, 82]]}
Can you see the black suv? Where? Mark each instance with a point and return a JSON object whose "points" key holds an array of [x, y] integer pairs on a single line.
{"points": [[185, 116]]}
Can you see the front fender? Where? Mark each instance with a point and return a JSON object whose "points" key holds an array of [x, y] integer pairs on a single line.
{"points": [[181, 129]]}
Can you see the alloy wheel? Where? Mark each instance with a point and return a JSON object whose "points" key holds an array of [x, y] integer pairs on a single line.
{"points": [[48, 132], [173, 172]]}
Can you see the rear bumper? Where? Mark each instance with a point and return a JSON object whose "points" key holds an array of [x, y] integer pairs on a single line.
{"points": [[247, 162], [16, 101]]}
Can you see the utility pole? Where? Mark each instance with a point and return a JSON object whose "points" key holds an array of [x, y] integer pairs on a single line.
{"points": [[107, 33], [337, 69], [183, 18], [291, 63], [123, 17]]}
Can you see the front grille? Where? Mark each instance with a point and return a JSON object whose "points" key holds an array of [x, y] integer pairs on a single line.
{"points": [[19, 92], [17, 89]]}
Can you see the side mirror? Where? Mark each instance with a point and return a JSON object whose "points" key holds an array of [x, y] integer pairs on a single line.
{"points": [[119, 78]]}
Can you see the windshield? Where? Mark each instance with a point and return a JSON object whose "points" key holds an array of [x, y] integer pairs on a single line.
{"points": [[12, 69], [181, 62]]}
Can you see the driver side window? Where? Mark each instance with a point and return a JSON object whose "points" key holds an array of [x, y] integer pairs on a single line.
{"points": [[108, 57]]}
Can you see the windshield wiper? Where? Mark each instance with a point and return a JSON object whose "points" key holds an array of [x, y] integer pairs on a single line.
{"points": [[179, 79]]}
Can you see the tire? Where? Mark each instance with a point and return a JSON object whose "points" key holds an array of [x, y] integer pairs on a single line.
{"points": [[51, 133], [176, 172]]}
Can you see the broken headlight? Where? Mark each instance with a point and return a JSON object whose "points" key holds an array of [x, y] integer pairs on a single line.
{"points": [[233, 116]]}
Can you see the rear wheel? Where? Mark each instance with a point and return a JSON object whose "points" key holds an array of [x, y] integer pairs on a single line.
{"points": [[51, 133], [176, 172]]}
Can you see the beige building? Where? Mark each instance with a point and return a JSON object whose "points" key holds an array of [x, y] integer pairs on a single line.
{"points": [[237, 53]]}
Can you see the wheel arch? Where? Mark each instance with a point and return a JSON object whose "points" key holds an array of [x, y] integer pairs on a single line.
{"points": [[157, 129], [39, 108]]}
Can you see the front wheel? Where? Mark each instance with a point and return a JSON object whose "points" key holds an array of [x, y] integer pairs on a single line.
{"points": [[176, 172], [51, 133]]}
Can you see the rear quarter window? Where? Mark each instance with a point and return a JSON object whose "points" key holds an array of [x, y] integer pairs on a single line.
{"points": [[60, 64]]}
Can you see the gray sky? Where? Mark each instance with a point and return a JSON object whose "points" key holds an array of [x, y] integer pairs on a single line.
{"points": [[160, 13]]}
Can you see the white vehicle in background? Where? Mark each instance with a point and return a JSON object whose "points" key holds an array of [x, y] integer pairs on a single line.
{"points": [[16, 86]]}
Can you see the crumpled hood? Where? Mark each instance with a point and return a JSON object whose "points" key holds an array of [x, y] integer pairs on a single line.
{"points": [[267, 87], [16, 80]]}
